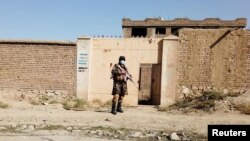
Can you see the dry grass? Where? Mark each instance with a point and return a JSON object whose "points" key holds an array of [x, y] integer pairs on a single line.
{"points": [[244, 108], [51, 127], [3, 105], [34, 102], [204, 102], [54, 102], [99, 103], [233, 94], [75, 104]]}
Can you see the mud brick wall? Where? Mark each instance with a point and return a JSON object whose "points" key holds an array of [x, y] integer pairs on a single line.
{"points": [[38, 65], [213, 58], [247, 58]]}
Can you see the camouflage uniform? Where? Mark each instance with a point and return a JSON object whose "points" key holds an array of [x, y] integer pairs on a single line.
{"points": [[119, 86]]}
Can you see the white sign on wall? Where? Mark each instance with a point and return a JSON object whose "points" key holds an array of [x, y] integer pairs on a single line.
{"points": [[82, 61]]}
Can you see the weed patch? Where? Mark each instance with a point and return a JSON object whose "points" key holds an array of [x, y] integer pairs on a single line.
{"points": [[3, 105], [75, 104], [204, 102], [244, 108]]}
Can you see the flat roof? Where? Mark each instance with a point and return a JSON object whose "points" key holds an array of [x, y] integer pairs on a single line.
{"points": [[184, 22]]}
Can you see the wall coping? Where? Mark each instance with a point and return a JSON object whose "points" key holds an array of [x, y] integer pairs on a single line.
{"points": [[171, 37], [28, 41]]}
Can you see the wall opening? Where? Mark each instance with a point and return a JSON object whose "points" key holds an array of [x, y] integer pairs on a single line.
{"points": [[160, 31], [139, 32], [175, 31], [149, 84]]}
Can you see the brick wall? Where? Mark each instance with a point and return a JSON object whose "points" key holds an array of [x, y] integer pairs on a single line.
{"points": [[127, 32], [213, 57], [38, 65], [247, 58]]}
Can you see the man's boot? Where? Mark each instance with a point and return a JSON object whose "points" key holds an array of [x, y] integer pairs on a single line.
{"points": [[113, 111], [119, 107]]}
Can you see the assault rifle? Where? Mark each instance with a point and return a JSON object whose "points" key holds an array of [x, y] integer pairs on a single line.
{"points": [[127, 76]]}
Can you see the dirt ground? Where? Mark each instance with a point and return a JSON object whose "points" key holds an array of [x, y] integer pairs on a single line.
{"points": [[141, 118]]}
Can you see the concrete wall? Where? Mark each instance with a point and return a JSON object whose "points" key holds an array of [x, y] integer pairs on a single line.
{"points": [[213, 57], [38, 65], [106, 51], [169, 70]]}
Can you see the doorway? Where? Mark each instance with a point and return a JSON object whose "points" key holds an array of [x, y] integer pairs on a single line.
{"points": [[149, 84]]}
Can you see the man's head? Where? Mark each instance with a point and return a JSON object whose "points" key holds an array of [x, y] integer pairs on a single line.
{"points": [[122, 60]]}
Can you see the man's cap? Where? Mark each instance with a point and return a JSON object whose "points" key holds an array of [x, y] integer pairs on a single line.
{"points": [[122, 58]]}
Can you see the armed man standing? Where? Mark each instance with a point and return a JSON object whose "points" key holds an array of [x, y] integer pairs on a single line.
{"points": [[120, 76]]}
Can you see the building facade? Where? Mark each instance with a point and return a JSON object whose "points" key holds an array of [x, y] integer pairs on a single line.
{"points": [[169, 56]]}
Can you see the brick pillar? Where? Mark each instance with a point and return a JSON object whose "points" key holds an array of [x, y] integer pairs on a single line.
{"points": [[83, 64], [169, 72], [127, 32]]}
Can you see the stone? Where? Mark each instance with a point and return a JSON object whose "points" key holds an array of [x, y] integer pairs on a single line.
{"points": [[225, 91], [200, 88], [194, 88], [165, 134], [50, 94], [186, 139], [69, 128], [158, 137], [35, 91], [43, 92], [76, 128], [106, 133], [99, 132], [31, 127], [49, 91], [120, 132], [150, 135], [58, 92], [3, 128], [186, 91], [136, 134], [174, 136], [183, 87], [107, 119], [45, 103], [24, 126], [236, 91], [76, 131], [13, 125], [242, 91], [242, 99], [92, 132], [43, 125]]}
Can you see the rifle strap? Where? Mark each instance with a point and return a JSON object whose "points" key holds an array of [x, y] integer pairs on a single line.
{"points": [[121, 68]]}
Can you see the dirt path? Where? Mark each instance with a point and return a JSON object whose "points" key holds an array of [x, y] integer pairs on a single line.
{"points": [[49, 138], [142, 117]]}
